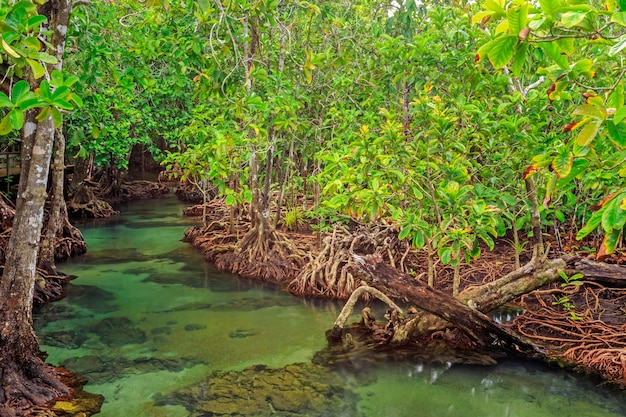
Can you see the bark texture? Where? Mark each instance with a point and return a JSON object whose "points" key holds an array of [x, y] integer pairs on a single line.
{"points": [[24, 377]]}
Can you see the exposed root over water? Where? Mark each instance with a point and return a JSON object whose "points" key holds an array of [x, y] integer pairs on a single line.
{"points": [[585, 324]]}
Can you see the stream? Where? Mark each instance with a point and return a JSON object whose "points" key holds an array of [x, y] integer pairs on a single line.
{"points": [[159, 332]]}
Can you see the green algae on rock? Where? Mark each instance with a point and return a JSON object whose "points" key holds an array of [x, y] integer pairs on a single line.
{"points": [[295, 390]]}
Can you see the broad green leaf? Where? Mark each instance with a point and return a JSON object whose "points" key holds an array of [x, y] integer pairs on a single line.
{"points": [[20, 89], [591, 225], [611, 240], [616, 98], [35, 21], [38, 69], [588, 132], [518, 18], [583, 67], [445, 254], [620, 44], [419, 240], [478, 17], [551, 7], [613, 217], [502, 50], [496, 6], [77, 100], [405, 231], [622, 5], [619, 18], [57, 117], [571, 19], [553, 51], [17, 118], [5, 125], [5, 101], [589, 110], [617, 133], [519, 59]]}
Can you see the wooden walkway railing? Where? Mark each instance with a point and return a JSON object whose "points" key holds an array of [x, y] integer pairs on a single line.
{"points": [[9, 164]]}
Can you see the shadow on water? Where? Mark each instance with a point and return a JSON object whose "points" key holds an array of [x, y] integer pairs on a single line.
{"points": [[159, 332]]}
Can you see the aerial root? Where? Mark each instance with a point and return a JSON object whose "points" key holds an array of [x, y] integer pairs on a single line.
{"points": [[583, 323]]}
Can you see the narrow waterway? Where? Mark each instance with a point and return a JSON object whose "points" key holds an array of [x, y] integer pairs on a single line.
{"points": [[159, 332]]}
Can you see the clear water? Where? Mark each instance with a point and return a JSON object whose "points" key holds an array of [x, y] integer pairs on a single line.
{"points": [[147, 316]]}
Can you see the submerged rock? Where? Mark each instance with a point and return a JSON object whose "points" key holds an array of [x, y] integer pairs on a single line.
{"points": [[118, 331], [67, 339], [195, 326], [241, 333], [293, 391], [101, 369]]}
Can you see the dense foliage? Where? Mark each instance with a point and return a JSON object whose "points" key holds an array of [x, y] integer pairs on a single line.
{"points": [[425, 117]]}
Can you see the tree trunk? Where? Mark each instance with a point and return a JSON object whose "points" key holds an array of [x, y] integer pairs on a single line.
{"points": [[23, 375], [57, 201], [24, 378]]}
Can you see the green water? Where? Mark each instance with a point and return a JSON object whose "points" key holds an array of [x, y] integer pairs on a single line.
{"points": [[147, 316]]}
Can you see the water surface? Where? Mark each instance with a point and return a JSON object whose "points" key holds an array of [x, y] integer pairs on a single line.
{"points": [[147, 316]]}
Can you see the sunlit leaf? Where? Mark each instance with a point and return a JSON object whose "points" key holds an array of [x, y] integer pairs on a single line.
{"points": [[37, 68], [5, 125], [620, 44], [588, 132], [589, 110], [502, 51], [8, 49], [571, 19]]}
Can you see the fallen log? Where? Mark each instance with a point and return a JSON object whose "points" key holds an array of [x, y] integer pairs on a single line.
{"points": [[480, 328], [610, 275]]}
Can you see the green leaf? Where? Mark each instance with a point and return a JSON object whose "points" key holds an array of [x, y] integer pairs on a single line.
{"points": [[419, 240], [502, 50], [5, 125], [518, 18], [17, 118], [77, 100], [618, 46], [617, 133], [230, 200], [551, 7], [20, 89], [405, 231], [611, 240], [519, 58], [553, 51], [589, 110], [588, 132], [57, 117], [563, 162], [445, 254], [619, 18], [5, 101], [591, 225], [35, 21], [614, 217], [38, 69], [571, 19]]}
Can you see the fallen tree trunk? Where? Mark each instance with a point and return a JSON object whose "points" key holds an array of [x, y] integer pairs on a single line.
{"points": [[610, 275], [480, 328]]}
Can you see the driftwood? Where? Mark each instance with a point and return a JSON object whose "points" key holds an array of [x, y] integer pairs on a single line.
{"points": [[480, 328]]}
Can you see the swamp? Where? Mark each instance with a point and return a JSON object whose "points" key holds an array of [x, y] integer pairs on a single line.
{"points": [[312, 208]]}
